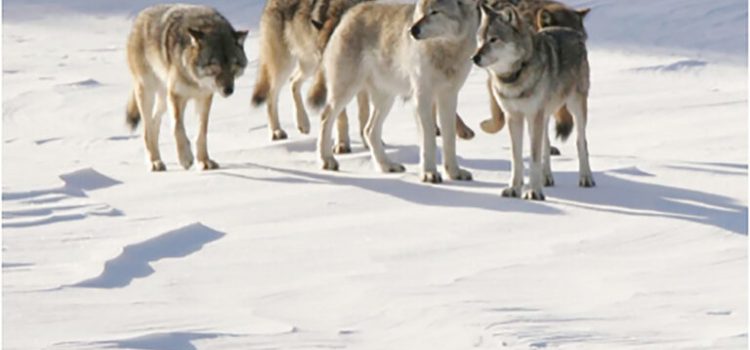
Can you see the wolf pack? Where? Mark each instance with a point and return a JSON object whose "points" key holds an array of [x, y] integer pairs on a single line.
{"points": [[534, 53]]}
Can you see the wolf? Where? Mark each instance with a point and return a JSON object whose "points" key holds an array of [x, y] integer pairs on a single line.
{"points": [[533, 75], [293, 35], [178, 53], [541, 14], [418, 50]]}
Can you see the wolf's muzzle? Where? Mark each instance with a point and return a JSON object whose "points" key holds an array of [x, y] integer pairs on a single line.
{"points": [[477, 60], [415, 31]]}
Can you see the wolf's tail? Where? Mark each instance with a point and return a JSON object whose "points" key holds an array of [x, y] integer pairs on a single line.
{"points": [[262, 86], [563, 123], [132, 114], [316, 97]]}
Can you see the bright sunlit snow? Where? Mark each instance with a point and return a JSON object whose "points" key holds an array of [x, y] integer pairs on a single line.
{"points": [[270, 252]]}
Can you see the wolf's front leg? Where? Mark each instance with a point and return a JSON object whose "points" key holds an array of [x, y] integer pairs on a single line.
{"points": [[515, 127], [343, 144], [536, 133], [363, 110], [447, 113], [177, 105], [429, 172], [203, 107]]}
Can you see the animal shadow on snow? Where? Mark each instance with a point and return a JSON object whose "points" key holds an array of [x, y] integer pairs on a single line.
{"points": [[134, 260], [157, 341], [620, 195], [44, 209], [419, 193]]}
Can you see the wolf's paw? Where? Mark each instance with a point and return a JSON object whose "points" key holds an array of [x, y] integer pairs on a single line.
{"points": [[586, 181], [330, 164], [510, 192], [342, 148], [278, 135], [209, 165], [392, 168], [304, 126], [460, 175], [158, 166], [554, 151], [432, 177], [465, 133], [549, 180], [534, 195], [186, 159], [490, 126]]}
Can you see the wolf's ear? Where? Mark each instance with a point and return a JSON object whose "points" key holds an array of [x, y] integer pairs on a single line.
{"points": [[508, 15], [317, 24], [240, 36], [196, 36], [544, 19], [583, 12]]}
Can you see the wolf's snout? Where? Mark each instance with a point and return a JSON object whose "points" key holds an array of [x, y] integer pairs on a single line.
{"points": [[477, 59], [415, 31], [228, 91]]}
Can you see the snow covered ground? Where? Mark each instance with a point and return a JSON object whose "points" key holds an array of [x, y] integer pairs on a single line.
{"points": [[272, 253]]}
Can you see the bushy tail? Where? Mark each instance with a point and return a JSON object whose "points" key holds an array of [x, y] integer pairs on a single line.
{"points": [[316, 97], [563, 123], [262, 87], [132, 114]]}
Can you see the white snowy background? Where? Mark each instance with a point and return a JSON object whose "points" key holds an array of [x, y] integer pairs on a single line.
{"points": [[270, 252]]}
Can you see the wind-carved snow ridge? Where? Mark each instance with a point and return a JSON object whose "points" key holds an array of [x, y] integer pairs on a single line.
{"points": [[134, 261], [47, 208]]}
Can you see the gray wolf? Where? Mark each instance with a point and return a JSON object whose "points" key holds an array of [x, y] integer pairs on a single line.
{"points": [[178, 53], [533, 75], [541, 14], [420, 51], [294, 34]]}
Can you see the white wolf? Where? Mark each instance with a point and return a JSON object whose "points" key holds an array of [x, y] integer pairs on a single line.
{"points": [[420, 51]]}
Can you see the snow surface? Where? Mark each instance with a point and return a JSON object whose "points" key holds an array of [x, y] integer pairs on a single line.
{"points": [[271, 253]]}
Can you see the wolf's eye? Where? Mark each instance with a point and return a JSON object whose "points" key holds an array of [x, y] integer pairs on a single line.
{"points": [[433, 12], [493, 40], [211, 69]]}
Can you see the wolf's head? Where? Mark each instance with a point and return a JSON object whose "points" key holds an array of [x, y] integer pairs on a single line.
{"points": [[504, 39], [216, 58], [559, 15], [444, 18]]}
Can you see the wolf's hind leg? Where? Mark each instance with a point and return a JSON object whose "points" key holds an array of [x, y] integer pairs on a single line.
{"points": [[145, 99], [578, 107], [374, 133], [548, 179], [303, 71]]}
